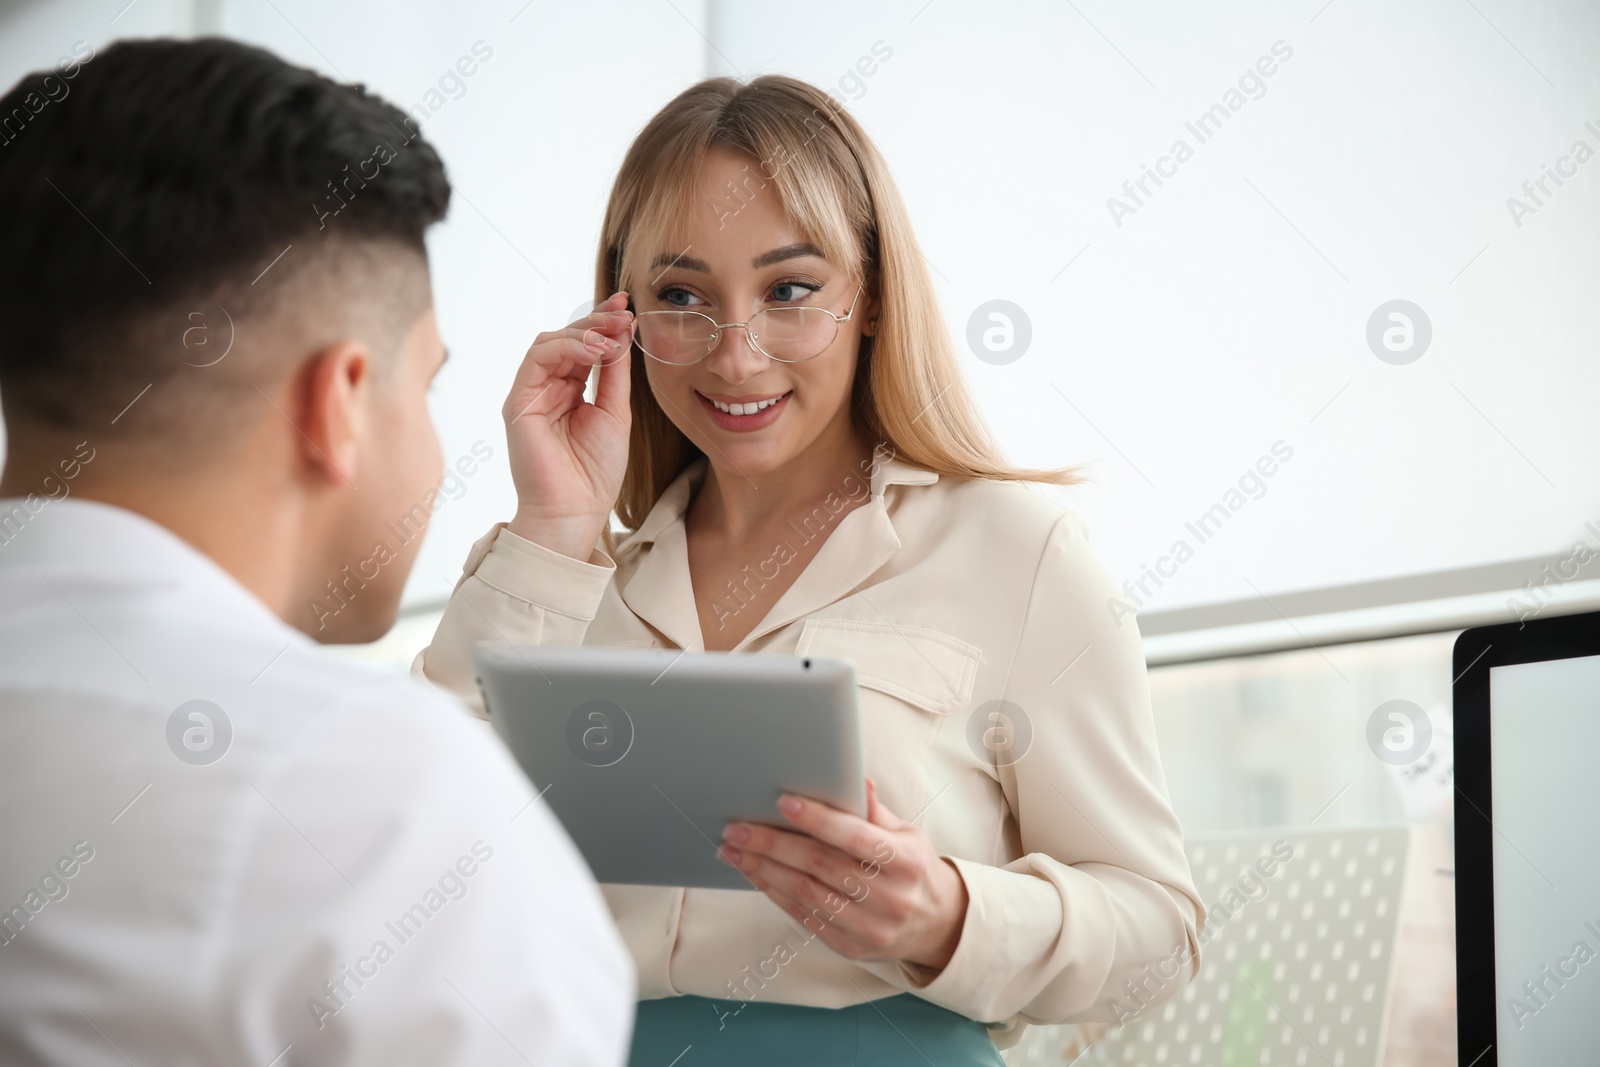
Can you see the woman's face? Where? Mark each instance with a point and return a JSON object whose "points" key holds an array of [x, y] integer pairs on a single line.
{"points": [[745, 256]]}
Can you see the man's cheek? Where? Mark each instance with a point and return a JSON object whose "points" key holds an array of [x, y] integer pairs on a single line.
{"points": [[425, 456]]}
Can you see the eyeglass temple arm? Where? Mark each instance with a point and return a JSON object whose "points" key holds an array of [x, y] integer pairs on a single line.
{"points": [[852, 309]]}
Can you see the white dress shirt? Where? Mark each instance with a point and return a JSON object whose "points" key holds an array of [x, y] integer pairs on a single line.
{"points": [[339, 867]]}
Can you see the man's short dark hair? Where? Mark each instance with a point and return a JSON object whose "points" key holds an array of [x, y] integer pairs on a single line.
{"points": [[163, 184]]}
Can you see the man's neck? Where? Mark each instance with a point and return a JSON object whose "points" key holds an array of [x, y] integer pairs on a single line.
{"points": [[220, 516]]}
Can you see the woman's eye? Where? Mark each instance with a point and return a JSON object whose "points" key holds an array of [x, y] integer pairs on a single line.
{"points": [[677, 298], [787, 292]]}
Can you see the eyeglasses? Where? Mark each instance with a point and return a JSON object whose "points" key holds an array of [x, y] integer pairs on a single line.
{"points": [[786, 334]]}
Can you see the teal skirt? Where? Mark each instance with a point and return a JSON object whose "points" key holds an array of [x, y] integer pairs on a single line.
{"points": [[898, 1031]]}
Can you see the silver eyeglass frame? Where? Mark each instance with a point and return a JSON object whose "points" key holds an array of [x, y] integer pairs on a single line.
{"points": [[755, 344]]}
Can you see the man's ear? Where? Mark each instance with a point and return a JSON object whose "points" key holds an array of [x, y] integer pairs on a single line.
{"points": [[332, 387]]}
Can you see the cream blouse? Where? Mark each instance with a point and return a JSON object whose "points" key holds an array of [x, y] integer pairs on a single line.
{"points": [[949, 595]]}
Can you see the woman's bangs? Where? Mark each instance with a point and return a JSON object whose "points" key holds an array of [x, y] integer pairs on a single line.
{"points": [[661, 223], [808, 186]]}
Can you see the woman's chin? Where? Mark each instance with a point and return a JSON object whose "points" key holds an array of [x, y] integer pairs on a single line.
{"points": [[751, 454]]}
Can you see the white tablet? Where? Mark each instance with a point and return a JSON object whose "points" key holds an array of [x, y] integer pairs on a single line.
{"points": [[644, 755]]}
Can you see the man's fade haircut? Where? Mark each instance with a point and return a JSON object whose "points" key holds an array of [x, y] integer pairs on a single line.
{"points": [[164, 184]]}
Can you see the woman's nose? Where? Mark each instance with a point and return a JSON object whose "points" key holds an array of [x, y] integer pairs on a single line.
{"points": [[734, 358]]}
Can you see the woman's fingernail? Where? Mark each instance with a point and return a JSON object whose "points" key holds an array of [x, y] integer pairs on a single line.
{"points": [[790, 805], [732, 855], [736, 833]]}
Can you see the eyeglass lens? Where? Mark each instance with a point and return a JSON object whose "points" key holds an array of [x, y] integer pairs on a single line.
{"points": [[787, 334]]}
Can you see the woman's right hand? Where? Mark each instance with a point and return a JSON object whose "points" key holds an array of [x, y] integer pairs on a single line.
{"points": [[567, 455]]}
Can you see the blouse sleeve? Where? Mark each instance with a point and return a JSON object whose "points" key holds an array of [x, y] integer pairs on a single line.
{"points": [[1099, 916], [511, 590]]}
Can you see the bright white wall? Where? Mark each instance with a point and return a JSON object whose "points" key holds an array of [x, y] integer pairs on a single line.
{"points": [[1169, 353], [1229, 312]]}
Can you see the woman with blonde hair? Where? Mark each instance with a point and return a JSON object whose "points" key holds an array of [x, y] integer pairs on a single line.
{"points": [[781, 427]]}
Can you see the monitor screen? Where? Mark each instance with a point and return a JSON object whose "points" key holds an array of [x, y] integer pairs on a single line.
{"points": [[1544, 724]]}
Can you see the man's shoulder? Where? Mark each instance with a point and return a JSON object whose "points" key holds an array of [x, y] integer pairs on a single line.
{"points": [[380, 710], [247, 705]]}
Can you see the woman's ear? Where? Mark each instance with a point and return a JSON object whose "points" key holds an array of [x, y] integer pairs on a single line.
{"points": [[869, 327]]}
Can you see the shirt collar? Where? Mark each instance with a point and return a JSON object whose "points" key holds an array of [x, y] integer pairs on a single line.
{"points": [[107, 543], [885, 466], [660, 592]]}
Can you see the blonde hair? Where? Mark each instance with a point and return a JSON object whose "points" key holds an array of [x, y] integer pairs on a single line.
{"points": [[909, 391]]}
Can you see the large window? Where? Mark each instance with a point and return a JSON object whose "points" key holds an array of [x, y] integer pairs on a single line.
{"points": [[1305, 748]]}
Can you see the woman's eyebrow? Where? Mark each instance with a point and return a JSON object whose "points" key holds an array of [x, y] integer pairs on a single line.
{"points": [[778, 255], [766, 259], [667, 259]]}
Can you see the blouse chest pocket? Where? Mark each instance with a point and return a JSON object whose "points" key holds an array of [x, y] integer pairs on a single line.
{"points": [[931, 670]]}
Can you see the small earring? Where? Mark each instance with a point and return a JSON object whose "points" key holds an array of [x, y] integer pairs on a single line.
{"points": [[873, 325]]}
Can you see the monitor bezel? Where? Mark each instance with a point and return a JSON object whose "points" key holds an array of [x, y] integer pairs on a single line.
{"points": [[1477, 651]]}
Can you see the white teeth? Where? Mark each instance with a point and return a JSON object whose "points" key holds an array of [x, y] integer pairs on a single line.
{"points": [[744, 409]]}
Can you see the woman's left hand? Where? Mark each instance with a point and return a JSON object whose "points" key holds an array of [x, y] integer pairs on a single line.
{"points": [[872, 889]]}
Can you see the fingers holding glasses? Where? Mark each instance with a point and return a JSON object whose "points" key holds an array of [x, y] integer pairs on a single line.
{"points": [[553, 374], [602, 336], [568, 456], [614, 337], [609, 328]]}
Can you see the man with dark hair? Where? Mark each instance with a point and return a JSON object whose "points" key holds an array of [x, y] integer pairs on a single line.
{"points": [[222, 845]]}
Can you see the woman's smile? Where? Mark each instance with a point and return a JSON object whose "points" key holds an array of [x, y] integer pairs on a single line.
{"points": [[744, 414]]}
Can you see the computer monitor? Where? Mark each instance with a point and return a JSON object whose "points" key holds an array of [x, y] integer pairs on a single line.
{"points": [[1527, 765]]}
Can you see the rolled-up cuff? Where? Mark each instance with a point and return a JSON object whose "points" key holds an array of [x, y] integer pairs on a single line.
{"points": [[544, 577], [1012, 923]]}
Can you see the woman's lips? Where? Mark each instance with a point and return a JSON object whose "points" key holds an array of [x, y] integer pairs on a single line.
{"points": [[745, 423]]}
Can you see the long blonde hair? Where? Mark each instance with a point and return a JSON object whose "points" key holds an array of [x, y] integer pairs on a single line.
{"points": [[909, 391]]}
